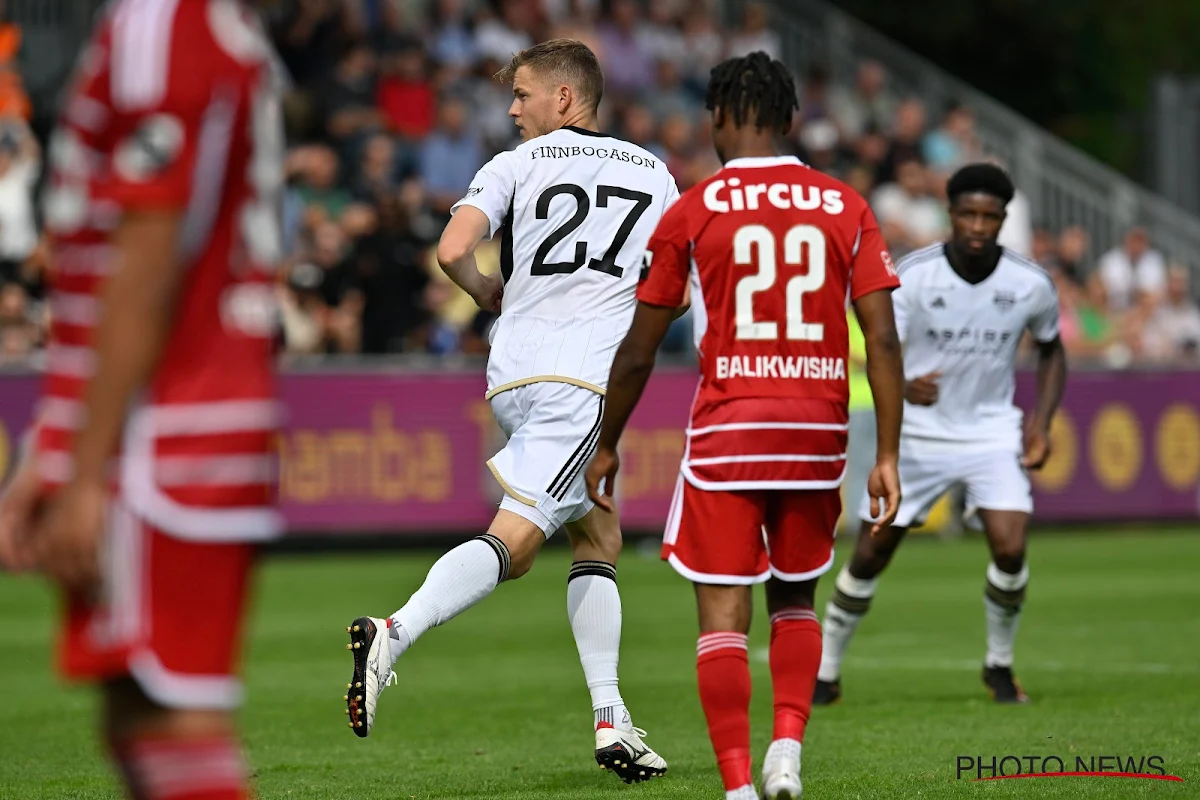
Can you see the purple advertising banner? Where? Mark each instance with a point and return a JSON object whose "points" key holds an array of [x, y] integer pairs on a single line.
{"points": [[404, 452]]}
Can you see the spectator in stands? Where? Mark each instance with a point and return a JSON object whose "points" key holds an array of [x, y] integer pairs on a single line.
{"points": [[20, 332], [499, 37], [703, 46], [1172, 332], [814, 96], [661, 35], [1133, 267], [316, 171], [350, 104], [309, 36], [638, 128], [867, 107], [377, 175], [1071, 250], [755, 34], [953, 143], [667, 96], [303, 312], [628, 64], [389, 272], [450, 156], [454, 43], [19, 169], [405, 94], [908, 130], [908, 215]]}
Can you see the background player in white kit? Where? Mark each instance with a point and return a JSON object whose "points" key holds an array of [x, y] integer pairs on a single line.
{"points": [[576, 209], [961, 310]]}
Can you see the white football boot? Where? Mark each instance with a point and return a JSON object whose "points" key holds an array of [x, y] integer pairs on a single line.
{"points": [[621, 750], [372, 671], [781, 771]]}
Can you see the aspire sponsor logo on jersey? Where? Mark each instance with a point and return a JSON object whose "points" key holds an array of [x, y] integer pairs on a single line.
{"points": [[817, 368], [587, 151], [724, 196], [969, 341], [992, 768]]}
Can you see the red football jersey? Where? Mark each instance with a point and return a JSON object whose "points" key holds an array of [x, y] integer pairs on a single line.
{"points": [[773, 251], [174, 105]]}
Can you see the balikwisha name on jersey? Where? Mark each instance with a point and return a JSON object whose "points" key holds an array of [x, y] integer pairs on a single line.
{"points": [[816, 368], [551, 151], [724, 196]]}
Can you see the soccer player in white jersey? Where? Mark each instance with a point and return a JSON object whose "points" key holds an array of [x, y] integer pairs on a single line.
{"points": [[576, 209], [961, 310]]}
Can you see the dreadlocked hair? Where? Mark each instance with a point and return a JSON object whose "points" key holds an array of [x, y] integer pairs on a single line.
{"points": [[753, 84]]}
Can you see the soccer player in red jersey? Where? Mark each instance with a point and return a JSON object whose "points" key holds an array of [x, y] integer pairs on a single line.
{"points": [[150, 474], [772, 251]]}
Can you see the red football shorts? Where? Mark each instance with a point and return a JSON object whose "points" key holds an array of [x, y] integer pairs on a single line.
{"points": [[747, 537], [170, 616]]}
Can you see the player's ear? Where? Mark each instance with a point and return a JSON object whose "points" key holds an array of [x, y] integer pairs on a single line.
{"points": [[565, 96], [718, 117]]}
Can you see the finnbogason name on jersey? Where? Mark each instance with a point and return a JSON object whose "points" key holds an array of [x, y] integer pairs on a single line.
{"points": [[552, 151], [815, 368]]}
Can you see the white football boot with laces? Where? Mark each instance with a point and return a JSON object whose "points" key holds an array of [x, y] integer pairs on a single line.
{"points": [[372, 671], [621, 750]]}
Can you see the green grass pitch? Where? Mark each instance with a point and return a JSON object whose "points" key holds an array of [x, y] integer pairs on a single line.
{"points": [[494, 706]]}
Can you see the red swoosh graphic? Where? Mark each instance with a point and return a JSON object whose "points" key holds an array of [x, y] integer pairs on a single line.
{"points": [[1083, 775]]}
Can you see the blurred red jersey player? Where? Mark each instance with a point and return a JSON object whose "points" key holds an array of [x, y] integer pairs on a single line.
{"points": [[151, 474], [772, 251]]}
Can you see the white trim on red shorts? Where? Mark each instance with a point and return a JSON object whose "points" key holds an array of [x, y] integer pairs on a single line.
{"points": [[724, 580], [170, 689], [798, 577]]}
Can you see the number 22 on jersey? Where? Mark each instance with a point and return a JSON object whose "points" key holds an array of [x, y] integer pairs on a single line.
{"points": [[800, 241]]}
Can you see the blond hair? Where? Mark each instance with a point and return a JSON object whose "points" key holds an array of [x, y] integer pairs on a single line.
{"points": [[566, 60]]}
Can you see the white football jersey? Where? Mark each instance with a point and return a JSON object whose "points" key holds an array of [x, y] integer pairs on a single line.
{"points": [[969, 333], [576, 209]]}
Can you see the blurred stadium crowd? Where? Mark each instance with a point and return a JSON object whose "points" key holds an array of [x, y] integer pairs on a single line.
{"points": [[393, 108]]}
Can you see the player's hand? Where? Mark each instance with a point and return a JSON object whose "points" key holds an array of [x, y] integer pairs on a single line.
{"points": [[884, 488], [68, 535], [604, 467], [922, 391], [18, 507], [490, 293], [1037, 448]]}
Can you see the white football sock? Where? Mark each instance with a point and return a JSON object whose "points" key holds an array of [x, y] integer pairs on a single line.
{"points": [[459, 580], [744, 793], [594, 609], [1003, 596], [850, 602]]}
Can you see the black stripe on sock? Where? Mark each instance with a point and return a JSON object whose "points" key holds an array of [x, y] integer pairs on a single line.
{"points": [[1010, 599], [599, 568], [605, 715], [851, 605], [562, 481], [502, 554]]}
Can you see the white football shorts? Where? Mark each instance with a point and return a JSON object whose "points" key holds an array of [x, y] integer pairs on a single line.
{"points": [[993, 477], [552, 430]]}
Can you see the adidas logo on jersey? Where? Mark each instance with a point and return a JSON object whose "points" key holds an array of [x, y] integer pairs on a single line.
{"points": [[939, 303], [725, 196]]}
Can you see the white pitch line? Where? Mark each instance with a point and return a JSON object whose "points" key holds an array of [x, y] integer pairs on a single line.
{"points": [[973, 665]]}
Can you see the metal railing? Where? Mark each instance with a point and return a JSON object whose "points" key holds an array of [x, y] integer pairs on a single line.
{"points": [[1064, 186]]}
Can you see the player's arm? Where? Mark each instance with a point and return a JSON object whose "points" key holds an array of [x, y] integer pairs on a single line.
{"points": [[456, 255], [137, 305], [872, 281], [631, 370], [1051, 380], [477, 216], [661, 292]]}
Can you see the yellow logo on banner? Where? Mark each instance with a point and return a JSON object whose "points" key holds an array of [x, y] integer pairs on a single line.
{"points": [[1178, 446], [1059, 470], [5, 451], [1116, 447]]}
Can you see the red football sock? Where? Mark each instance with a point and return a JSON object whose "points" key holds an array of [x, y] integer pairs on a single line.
{"points": [[795, 658], [183, 769], [723, 673]]}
